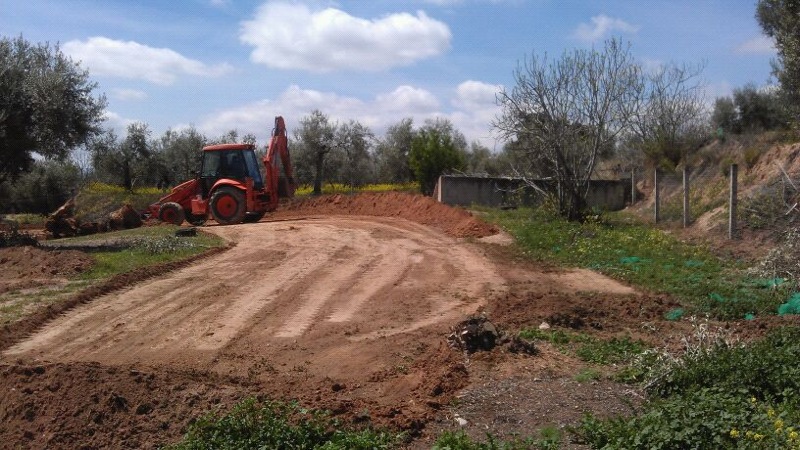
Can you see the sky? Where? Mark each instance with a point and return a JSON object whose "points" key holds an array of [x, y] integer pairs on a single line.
{"points": [[221, 65]]}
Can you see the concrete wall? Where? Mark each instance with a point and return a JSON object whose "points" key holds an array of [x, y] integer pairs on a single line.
{"points": [[608, 195]]}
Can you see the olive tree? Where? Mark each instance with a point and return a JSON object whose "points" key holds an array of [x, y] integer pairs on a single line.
{"points": [[391, 153], [313, 141], [46, 105], [568, 112], [780, 20]]}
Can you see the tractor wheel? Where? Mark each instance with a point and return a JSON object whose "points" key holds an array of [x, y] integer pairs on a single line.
{"points": [[195, 219], [253, 217], [171, 212], [228, 205]]}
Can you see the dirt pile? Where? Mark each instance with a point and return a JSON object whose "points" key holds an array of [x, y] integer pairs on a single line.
{"points": [[30, 266], [417, 208], [59, 405]]}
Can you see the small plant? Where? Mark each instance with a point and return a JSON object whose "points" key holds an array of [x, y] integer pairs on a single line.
{"points": [[587, 374], [751, 155]]}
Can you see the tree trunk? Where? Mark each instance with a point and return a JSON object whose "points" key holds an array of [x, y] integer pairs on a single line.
{"points": [[318, 175]]}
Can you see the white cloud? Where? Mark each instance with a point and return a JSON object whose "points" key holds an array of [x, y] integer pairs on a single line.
{"points": [[601, 27], [128, 94], [379, 113], [292, 36], [476, 95], [129, 59], [407, 99], [116, 122], [762, 45]]}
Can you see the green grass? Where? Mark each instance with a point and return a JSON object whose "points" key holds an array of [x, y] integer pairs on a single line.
{"points": [[147, 246], [589, 348], [627, 249], [16, 304], [729, 396], [266, 425]]}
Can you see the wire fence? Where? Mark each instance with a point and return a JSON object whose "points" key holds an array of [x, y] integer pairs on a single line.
{"points": [[727, 201]]}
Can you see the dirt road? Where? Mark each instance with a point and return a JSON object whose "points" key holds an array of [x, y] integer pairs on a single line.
{"points": [[330, 301], [343, 313], [322, 282]]}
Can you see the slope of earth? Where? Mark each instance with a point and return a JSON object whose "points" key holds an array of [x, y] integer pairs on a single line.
{"points": [[345, 313]]}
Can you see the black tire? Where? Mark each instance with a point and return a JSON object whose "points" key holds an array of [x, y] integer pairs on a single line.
{"points": [[171, 212], [228, 205], [253, 217], [195, 219]]}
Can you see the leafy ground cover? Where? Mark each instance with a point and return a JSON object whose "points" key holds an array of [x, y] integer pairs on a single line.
{"points": [[621, 246], [723, 395], [254, 424]]}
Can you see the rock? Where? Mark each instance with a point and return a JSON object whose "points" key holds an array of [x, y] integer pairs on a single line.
{"points": [[124, 218], [461, 421], [544, 326], [474, 334]]}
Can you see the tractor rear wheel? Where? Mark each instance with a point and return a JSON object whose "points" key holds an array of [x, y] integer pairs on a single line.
{"points": [[171, 212], [195, 219], [228, 205]]}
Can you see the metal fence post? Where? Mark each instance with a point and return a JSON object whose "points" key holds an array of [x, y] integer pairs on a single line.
{"points": [[656, 189], [733, 202], [686, 212], [633, 185]]}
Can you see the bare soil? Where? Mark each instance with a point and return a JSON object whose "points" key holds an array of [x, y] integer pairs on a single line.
{"points": [[342, 303]]}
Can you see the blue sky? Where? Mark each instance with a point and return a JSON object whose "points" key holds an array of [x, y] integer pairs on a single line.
{"points": [[235, 64]]}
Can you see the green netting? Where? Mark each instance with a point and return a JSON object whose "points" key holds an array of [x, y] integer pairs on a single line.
{"points": [[674, 314], [693, 263], [716, 297], [790, 307], [749, 316], [770, 283], [630, 260]]}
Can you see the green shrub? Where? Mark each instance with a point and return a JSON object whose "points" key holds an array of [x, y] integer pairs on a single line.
{"points": [[751, 155], [260, 425]]}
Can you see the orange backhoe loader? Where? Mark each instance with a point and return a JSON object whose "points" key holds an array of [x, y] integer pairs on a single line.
{"points": [[229, 184]]}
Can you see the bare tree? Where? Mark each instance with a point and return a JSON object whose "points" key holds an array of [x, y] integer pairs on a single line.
{"points": [[672, 122], [568, 112]]}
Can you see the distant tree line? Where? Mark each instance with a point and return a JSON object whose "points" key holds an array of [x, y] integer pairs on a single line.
{"points": [[562, 117]]}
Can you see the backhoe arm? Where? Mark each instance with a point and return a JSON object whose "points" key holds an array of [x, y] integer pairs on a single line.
{"points": [[278, 150]]}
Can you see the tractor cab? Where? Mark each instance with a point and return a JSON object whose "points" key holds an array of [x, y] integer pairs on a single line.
{"points": [[231, 161]]}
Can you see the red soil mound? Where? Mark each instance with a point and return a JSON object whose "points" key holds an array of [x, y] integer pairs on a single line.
{"points": [[417, 208]]}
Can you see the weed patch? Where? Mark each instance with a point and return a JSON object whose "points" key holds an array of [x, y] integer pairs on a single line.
{"points": [[254, 424], [718, 394], [624, 248]]}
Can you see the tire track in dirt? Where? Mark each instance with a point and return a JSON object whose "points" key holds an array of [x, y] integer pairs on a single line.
{"points": [[328, 283]]}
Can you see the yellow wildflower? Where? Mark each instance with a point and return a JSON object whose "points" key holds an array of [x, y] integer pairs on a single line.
{"points": [[758, 437], [734, 433]]}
